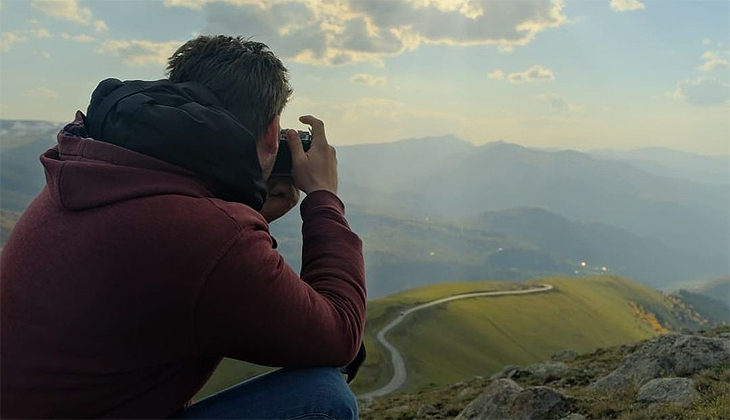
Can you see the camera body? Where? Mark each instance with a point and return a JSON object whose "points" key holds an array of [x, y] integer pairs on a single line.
{"points": [[283, 163]]}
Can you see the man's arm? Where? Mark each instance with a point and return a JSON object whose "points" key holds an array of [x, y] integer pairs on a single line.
{"points": [[254, 307]]}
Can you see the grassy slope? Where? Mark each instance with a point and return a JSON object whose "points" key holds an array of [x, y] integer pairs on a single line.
{"points": [[460, 339]]}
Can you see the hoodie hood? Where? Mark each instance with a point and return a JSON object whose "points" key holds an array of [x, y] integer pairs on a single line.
{"points": [[83, 173], [183, 124]]}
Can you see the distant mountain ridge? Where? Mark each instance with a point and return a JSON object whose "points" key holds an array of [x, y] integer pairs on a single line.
{"points": [[417, 196], [671, 163]]}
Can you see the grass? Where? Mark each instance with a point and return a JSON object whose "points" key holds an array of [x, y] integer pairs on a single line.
{"points": [[460, 339]]}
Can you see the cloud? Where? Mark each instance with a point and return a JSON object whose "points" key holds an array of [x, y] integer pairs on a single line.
{"points": [[714, 60], [369, 79], [45, 54], [327, 33], [703, 92], [706, 41], [535, 73], [40, 33], [626, 5], [497, 75], [100, 26], [77, 38], [558, 103], [7, 39], [41, 93], [64, 9], [139, 52]]}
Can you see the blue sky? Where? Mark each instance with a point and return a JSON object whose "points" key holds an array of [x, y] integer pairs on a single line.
{"points": [[585, 74]]}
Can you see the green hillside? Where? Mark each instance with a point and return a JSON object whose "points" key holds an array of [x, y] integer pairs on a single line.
{"points": [[457, 340]]}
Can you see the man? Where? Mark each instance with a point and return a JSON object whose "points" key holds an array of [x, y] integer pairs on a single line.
{"points": [[147, 257]]}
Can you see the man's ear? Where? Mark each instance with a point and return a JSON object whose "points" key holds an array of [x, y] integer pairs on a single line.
{"points": [[271, 135]]}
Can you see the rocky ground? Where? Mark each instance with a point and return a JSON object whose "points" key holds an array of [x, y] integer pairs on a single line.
{"points": [[672, 376]]}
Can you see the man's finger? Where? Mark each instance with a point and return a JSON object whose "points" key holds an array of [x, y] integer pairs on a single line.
{"points": [[295, 146], [318, 136]]}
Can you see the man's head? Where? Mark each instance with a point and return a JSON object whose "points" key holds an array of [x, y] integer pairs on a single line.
{"points": [[248, 79]]}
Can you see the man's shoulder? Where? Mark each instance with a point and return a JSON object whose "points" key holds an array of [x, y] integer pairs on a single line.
{"points": [[241, 215]]}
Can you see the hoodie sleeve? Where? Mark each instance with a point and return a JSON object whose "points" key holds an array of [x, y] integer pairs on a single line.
{"points": [[254, 307]]}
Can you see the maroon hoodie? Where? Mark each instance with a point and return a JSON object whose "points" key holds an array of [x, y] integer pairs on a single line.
{"points": [[126, 281]]}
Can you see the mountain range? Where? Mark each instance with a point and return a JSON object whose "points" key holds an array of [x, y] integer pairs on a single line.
{"points": [[440, 208]]}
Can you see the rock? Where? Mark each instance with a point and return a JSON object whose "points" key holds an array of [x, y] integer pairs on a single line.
{"points": [[506, 372], [426, 411], [564, 355], [464, 392], [540, 402], [398, 409], [668, 390], [457, 385], [493, 403], [672, 354], [505, 399], [541, 372], [574, 416]]}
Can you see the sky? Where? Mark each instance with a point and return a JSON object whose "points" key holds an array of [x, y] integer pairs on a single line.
{"points": [[583, 74]]}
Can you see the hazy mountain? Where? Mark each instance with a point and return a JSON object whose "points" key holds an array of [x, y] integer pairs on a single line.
{"points": [[420, 206], [718, 289], [390, 167], [21, 174], [599, 245], [673, 163], [716, 311], [688, 216]]}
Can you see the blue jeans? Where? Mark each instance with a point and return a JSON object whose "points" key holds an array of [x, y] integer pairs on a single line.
{"points": [[288, 393]]}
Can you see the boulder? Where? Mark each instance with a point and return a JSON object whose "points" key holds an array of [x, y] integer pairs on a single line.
{"points": [[493, 403], [540, 402], [505, 399], [672, 354], [541, 372], [426, 411], [668, 390], [564, 355]]}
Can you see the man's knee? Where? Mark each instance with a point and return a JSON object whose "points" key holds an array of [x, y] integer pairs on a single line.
{"points": [[327, 386]]}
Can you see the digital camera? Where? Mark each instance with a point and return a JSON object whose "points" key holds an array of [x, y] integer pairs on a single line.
{"points": [[283, 163]]}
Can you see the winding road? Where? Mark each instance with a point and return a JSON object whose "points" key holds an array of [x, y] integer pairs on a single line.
{"points": [[399, 367]]}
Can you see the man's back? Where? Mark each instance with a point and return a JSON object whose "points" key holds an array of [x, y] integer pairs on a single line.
{"points": [[126, 281]]}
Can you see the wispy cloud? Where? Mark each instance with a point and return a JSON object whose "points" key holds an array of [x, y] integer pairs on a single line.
{"points": [[626, 5], [535, 73], [559, 103], [64, 9], [7, 39], [100, 26], [70, 10], [139, 52], [77, 38], [41, 93], [369, 79], [714, 60], [703, 91]]}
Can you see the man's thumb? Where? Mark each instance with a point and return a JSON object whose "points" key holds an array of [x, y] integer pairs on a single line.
{"points": [[295, 145]]}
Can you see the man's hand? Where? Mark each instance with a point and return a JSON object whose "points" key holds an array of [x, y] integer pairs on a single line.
{"points": [[281, 197], [315, 169]]}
